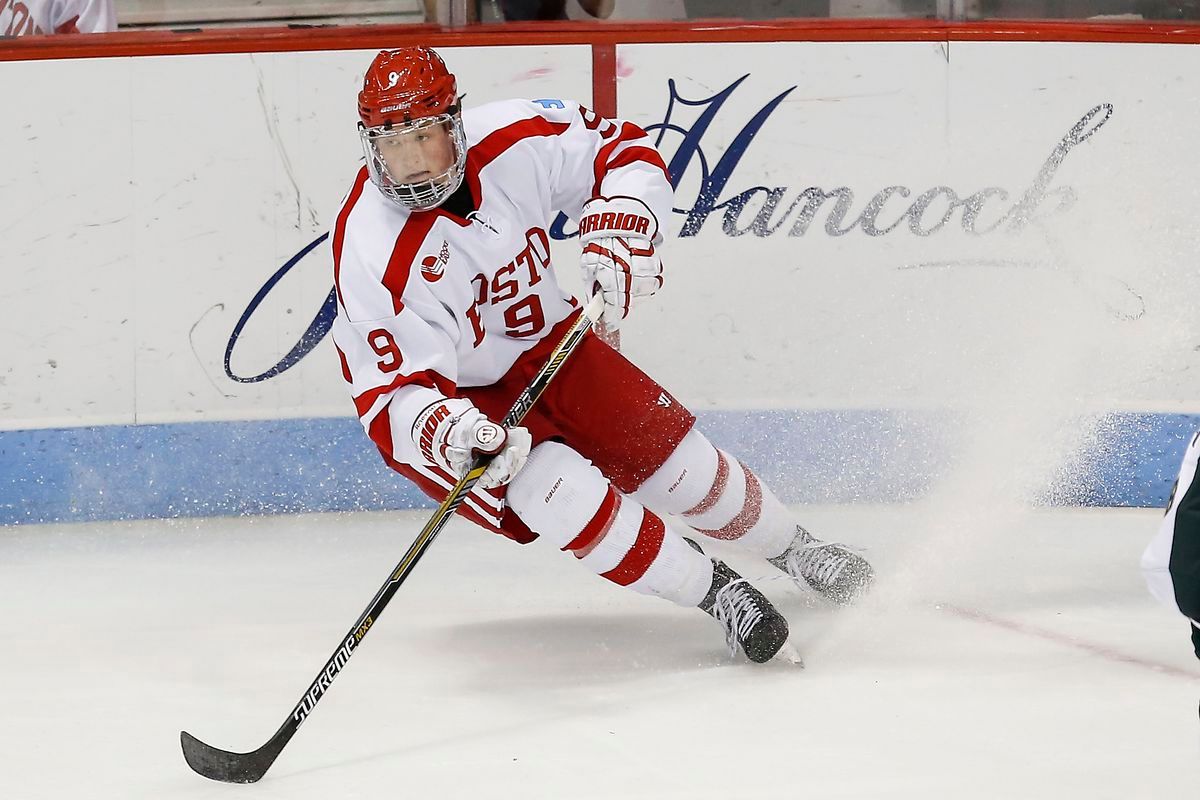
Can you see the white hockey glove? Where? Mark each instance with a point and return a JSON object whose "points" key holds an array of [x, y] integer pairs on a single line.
{"points": [[619, 260], [451, 433]]}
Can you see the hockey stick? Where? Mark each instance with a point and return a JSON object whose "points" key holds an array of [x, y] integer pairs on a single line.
{"points": [[222, 765]]}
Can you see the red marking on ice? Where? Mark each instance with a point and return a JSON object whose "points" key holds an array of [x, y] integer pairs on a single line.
{"points": [[1100, 650], [539, 72], [623, 69]]}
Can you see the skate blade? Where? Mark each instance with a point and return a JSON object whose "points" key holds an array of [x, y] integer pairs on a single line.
{"points": [[789, 655]]}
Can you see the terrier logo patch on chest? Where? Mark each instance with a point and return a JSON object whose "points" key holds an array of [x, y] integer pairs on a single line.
{"points": [[433, 267]]}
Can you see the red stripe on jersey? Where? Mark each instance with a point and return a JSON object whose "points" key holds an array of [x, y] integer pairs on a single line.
{"points": [[714, 493], [628, 133], [411, 237], [477, 498], [69, 26], [597, 527], [642, 554], [747, 518], [632, 155], [346, 376], [490, 521], [339, 228], [495, 143], [380, 432], [485, 500], [428, 378]]}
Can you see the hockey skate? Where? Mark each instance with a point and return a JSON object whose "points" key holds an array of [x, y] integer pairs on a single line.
{"points": [[751, 623], [831, 569]]}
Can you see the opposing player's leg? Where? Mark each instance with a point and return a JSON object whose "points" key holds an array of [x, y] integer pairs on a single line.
{"points": [[1171, 563], [720, 497], [565, 499]]}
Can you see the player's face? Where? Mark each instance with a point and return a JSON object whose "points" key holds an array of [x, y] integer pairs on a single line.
{"points": [[416, 153]]}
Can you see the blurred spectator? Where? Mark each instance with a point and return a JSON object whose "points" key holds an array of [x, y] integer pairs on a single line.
{"points": [[439, 11], [635, 9], [1168, 9], [551, 9], [757, 9], [42, 17]]}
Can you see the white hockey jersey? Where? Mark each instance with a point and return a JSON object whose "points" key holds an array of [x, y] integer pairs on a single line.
{"points": [[39, 17], [428, 302]]}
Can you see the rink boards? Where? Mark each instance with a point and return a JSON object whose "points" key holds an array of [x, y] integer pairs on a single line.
{"points": [[889, 261]]}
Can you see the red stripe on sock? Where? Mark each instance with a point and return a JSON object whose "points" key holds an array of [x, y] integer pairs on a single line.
{"points": [[597, 527], [747, 517], [645, 549], [718, 488]]}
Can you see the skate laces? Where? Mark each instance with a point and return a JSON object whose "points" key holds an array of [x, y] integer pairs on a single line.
{"points": [[817, 561], [737, 611]]}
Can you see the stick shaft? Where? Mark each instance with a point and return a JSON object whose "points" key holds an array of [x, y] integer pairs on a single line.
{"points": [[249, 767]]}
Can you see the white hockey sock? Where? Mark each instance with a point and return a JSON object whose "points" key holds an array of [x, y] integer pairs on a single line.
{"points": [[720, 497], [566, 500]]}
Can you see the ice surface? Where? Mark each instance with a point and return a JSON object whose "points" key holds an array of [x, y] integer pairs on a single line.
{"points": [[1029, 665]]}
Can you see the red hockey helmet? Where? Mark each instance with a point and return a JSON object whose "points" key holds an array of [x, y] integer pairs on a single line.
{"points": [[411, 128], [404, 85]]}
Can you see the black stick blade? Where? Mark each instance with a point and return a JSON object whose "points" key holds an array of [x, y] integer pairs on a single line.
{"points": [[221, 765]]}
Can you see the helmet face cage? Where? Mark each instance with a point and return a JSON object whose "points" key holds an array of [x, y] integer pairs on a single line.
{"points": [[424, 194]]}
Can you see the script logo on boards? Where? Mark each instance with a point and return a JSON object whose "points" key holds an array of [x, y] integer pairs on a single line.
{"points": [[983, 211], [708, 159], [765, 211]]}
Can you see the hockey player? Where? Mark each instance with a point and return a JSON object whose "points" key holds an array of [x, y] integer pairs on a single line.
{"points": [[448, 305], [1172, 561]]}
